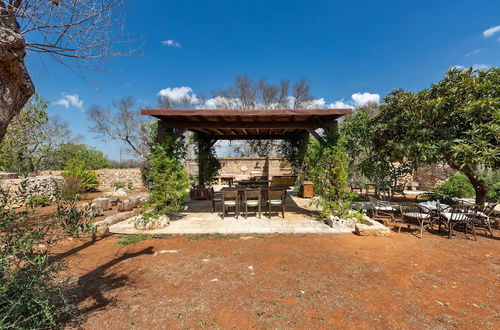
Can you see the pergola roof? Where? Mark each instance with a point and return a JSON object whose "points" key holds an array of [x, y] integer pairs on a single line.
{"points": [[237, 124]]}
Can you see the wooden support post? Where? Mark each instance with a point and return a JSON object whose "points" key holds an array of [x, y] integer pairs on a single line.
{"points": [[201, 166], [316, 135], [160, 131]]}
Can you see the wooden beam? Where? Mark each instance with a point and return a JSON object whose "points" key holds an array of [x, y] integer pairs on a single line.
{"points": [[316, 135], [241, 125], [249, 137]]}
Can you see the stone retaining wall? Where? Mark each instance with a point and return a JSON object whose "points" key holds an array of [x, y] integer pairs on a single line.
{"points": [[430, 177]]}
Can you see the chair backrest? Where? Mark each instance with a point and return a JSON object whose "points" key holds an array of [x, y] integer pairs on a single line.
{"points": [[463, 212], [230, 194], [489, 208], [276, 194], [377, 202], [251, 193], [412, 208]]}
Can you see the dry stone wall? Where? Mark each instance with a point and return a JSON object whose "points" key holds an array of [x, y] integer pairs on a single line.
{"points": [[430, 177], [43, 184]]}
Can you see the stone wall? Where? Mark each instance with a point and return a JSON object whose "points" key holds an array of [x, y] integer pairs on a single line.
{"points": [[43, 184], [107, 176], [430, 177], [242, 168]]}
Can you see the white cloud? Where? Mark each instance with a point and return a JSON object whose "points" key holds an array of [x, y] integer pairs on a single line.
{"points": [[480, 66], [361, 99], [180, 94], [458, 67], [68, 100], [171, 43], [474, 52], [340, 105], [491, 31]]}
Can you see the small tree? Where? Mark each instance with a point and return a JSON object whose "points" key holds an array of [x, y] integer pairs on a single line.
{"points": [[208, 163], [456, 121], [169, 178]]}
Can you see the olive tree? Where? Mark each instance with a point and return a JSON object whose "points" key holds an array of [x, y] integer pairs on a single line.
{"points": [[455, 121], [77, 33]]}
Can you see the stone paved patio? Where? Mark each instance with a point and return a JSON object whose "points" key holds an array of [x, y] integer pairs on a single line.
{"points": [[197, 219]]}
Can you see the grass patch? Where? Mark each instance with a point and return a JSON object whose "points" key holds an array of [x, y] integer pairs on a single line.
{"points": [[123, 240], [213, 236]]}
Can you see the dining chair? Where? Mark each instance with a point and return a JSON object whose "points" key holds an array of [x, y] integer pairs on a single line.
{"points": [[460, 215], [382, 209], [276, 197], [252, 198], [484, 216], [216, 197], [414, 214], [230, 199]]}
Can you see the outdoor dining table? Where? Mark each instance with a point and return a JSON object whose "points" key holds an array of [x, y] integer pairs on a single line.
{"points": [[433, 206]]}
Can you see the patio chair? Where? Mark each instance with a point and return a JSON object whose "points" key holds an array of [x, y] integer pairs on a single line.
{"points": [[483, 218], [252, 198], [382, 209], [230, 199], [383, 191], [356, 186], [460, 215], [399, 189], [216, 197], [414, 214], [276, 197]]}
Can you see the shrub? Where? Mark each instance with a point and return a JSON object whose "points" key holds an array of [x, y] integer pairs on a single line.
{"points": [[32, 292], [75, 169], [169, 179], [71, 188], [38, 200], [118, 185], [492, 179], [458, 185], [74, 220]]}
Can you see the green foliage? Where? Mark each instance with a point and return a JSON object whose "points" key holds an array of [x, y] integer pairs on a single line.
{"points": [[327, 165], [458, 185], [71, 188], [293, 149], [118, 185], [169, 178], [456, 121], [23, 131], [75, 169], [124, 240], [38, 200], [74, 220], [89, 157], [32, 291], [206, 156], [492, 179]]}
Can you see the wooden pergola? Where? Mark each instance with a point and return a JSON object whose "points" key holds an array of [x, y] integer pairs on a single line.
{"points": [[232, 124], [237, 124]]}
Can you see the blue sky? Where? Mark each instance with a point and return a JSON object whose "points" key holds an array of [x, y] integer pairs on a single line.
{"points": [[341, 47]]}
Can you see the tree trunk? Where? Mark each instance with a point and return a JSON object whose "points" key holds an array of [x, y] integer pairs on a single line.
{"points": [[16, 86], [480, 187]]}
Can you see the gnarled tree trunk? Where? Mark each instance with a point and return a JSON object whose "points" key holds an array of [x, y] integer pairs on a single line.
{"points": [[16, 86], [480, 186]]}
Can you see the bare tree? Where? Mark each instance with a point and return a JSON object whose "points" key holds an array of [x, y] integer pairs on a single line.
{"points": [[247, 94], [123, 123], [77, 33]]}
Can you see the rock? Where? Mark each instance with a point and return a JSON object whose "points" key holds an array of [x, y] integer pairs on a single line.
{"points": [[103, 203], [8, 175], [125, 206], [332, 221], [152, 224], [375, 229], [102, 231], [97, 211], [135, 201], [114, 200], [115, 218]]}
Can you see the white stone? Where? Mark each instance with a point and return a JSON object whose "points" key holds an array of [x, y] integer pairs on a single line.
{"points": [[152, 224]]}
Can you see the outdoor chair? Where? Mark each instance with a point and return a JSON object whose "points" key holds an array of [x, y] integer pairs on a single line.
{"points": [[483, 218], [230, 199], [459, 215], [382, 209], [383, 191], [414, 214], [356, 186], [276, 197], [251, 198], [399, 189], [216, 198]]}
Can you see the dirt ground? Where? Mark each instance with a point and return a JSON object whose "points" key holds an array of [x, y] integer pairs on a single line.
{"points": [[286, 281]]}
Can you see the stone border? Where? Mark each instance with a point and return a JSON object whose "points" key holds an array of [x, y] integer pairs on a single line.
{"points": [[375, 229]]}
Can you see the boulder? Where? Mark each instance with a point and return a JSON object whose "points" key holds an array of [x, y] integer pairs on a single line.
{"points": [[102, 231], [114, 200], [136, 201], [96, 210], [152, 224], [103, 203], [371, 228], [115, 218], [125, 206]]}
